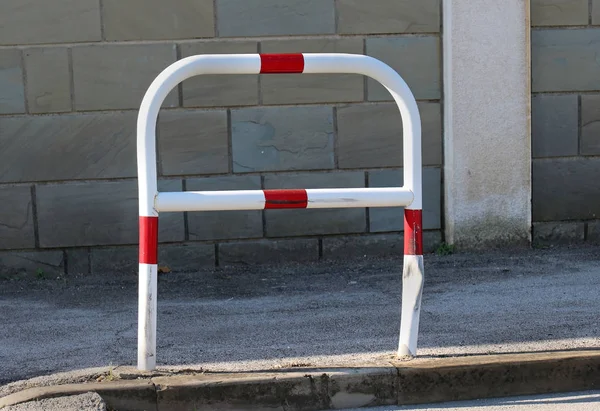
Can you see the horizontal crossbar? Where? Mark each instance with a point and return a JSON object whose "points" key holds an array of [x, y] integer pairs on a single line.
{"points": [[280, 199]]}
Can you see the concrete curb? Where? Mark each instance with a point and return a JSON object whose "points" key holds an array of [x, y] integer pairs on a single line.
{"points": [[387, 383]]}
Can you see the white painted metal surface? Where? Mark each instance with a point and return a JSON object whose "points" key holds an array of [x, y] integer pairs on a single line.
{"points": [[210, 200], [403, 96], [148, 287], [412, 290], [359, 197], [255, 199]]}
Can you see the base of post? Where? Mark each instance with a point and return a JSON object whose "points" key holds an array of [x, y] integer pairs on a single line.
{"points": [[412, 290], [404, 353], [147, 306]]}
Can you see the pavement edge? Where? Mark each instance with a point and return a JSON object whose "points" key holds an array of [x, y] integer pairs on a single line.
{"points": [[421, 380]]}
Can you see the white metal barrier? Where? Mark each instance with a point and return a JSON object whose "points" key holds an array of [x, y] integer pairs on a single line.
{"points": [[151, 202]]}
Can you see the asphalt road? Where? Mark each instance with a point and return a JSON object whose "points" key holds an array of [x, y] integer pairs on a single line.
{"points": [[577, 401], [263, 317]]}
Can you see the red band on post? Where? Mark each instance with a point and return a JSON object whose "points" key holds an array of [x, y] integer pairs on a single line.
{"points": [[413, 232], [285, 199], [148, 240], [281, 63]]}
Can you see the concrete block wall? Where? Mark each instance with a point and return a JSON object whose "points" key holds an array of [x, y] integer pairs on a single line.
{"points": [[72, 75], [565, 42]]}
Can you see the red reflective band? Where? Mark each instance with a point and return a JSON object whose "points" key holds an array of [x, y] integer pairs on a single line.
{"points": [[413, 232], [285, 199], [148, 240], [281, 63]]}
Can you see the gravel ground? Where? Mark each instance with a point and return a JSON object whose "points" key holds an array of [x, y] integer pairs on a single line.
{"points": [[84, 402], [264, 317]]}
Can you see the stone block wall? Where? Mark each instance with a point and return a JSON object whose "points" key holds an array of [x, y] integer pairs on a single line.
{"points": [[565, 121], [72, 75]]}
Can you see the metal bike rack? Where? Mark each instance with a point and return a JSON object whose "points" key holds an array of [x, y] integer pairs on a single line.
{"points": [[151, 201]]}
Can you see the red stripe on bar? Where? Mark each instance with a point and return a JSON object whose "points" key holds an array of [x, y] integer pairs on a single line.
{"points": [[285, 199], [413, 232], [148, 240], [281, 63]]}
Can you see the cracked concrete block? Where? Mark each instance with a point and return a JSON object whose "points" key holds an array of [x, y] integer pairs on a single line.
{"points": [[375, 245], [78, 261], [116, 261], [565, 60], [214, 225], [43, 21], [98, 213], [388, 16], [186, 257], [251, 394], [282, 223], [12, 97], [269, 251], [370, 135], [431, 241], [31, 265], [193, 142], [416, 58], [590, 125], [562, 189], [123, 261], [117, 76], [248, 18], [492, 376], [16, 218], [214, 90], [366, 388], [313, 88], [595, 14], [392, 218], [558, 233], [98, 145], [282, 138], [48, 79], [593, 232], [559, 12], [554, 125], [161, 20]]}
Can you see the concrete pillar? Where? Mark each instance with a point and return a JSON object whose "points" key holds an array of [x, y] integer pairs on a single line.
{"points": [[487, 115]]}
